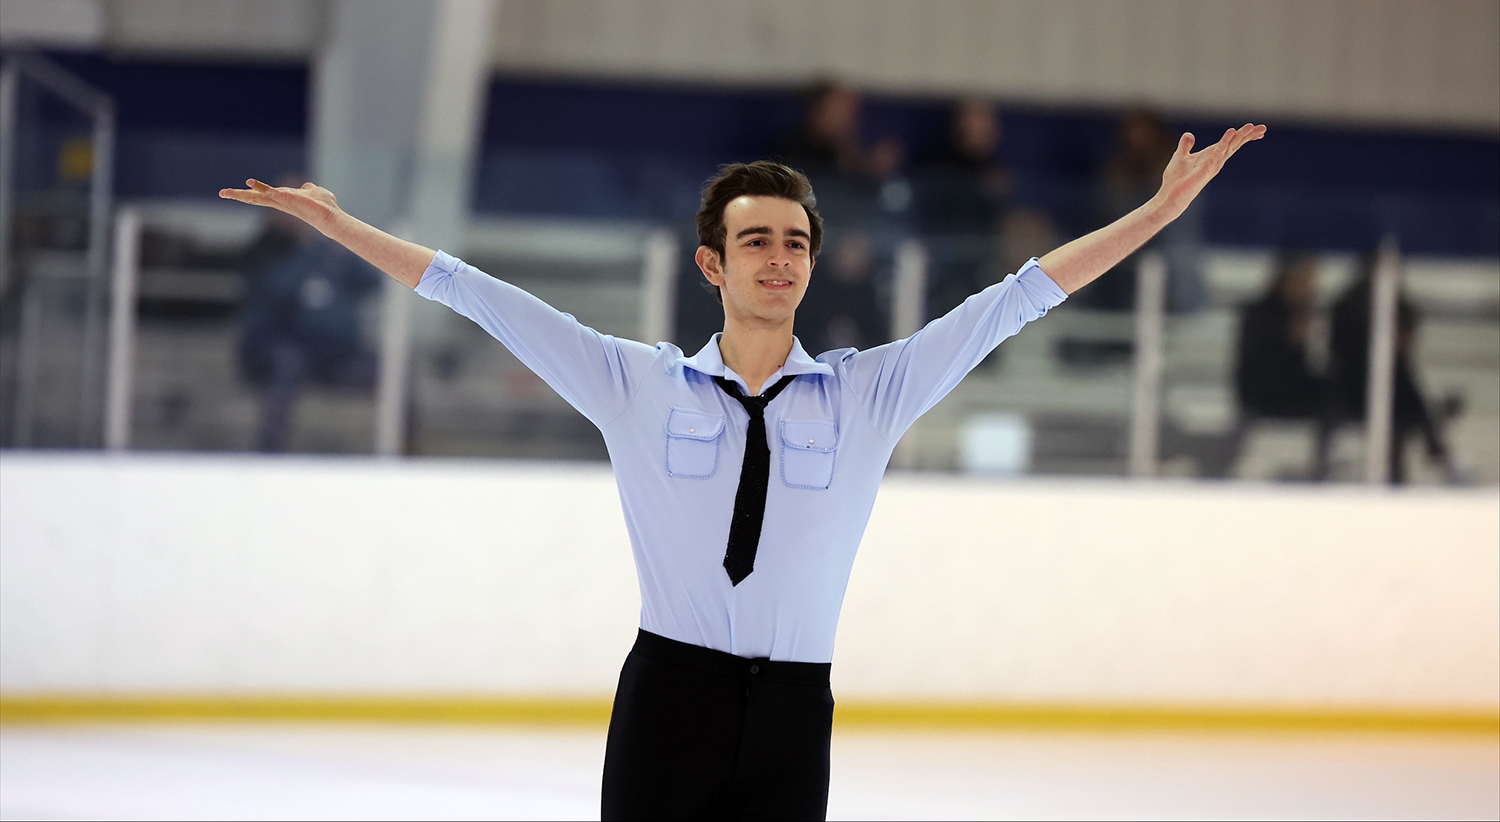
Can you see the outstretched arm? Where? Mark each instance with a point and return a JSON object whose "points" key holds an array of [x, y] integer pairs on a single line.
{"points": [[317, 207], [1081, 261], [597, 373]]}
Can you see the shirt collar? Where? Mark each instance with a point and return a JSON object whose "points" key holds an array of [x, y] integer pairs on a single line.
{"points": [[710, 361]]}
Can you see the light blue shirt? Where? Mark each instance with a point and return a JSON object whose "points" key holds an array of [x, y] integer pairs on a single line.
{"points": [[676, 441]]}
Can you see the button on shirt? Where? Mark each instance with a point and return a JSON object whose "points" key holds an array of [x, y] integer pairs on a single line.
{"points": [[676, 441]]}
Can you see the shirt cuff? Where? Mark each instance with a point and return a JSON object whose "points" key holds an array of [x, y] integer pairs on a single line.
{"points": [[443, 265], [1039, 284]]}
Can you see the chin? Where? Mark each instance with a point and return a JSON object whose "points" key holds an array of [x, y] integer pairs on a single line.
{"points": [[770, 308]]}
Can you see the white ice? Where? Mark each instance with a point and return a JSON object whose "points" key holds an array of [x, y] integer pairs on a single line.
{"points": [[315, 771]]}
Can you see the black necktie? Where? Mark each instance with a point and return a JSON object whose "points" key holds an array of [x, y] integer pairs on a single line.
{"points": [[750, 497]]}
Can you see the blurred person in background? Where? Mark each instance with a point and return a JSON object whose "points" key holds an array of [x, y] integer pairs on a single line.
{"points": [[830, 142], [856, 182], [841, 310], [300, 321], [1129, 179], [723, 707], [1272, 374], [967, 184], [858, 185], [1349, 356], [962, 193]]}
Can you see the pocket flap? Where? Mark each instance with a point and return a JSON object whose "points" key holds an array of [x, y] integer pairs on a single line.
{"points": [[685, 423], [809, 435]]}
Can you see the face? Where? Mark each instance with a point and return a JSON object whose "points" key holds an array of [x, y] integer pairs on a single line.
{"points": [[767, 260], [836, 115], [977, 131], [1141, 133]]}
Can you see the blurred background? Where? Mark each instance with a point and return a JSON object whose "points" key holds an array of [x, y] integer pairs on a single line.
{"points": [[241, 470]]}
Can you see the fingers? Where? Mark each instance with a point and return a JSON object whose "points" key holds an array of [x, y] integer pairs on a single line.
{"points": [[1226, 141], [1229, 143], [1245, 134], [1234, 138], [1185, 144], [271, 195], [257, 195]]}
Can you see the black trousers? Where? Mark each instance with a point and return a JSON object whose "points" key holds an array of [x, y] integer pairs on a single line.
{"points": [[701, 734]]}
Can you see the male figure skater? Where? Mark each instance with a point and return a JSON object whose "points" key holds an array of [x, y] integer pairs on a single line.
{"points": [[747, 471]]}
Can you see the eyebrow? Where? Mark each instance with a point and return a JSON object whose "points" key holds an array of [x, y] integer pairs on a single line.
{"points": [[762, 229]]}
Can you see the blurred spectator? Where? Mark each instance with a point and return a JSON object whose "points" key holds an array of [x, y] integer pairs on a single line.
{"points": [[964, 184], [1350, 367], [1131, 177], [841, 310], [300, 322], [961, 195], [830, 140], [1272, 375], [854, 183], [858, 187]]}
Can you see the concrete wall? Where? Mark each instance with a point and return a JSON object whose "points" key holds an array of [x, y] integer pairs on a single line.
{"points": [[1388, 61], [158, 574], [1381, 60]]}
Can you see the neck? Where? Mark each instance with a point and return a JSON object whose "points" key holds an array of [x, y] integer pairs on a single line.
{"points": [[755, 352]]}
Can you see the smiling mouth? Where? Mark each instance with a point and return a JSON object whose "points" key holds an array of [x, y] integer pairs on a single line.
{"points": [[776, 283]]}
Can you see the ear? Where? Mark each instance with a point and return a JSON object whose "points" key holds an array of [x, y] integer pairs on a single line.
{"points": [[710, 264]]}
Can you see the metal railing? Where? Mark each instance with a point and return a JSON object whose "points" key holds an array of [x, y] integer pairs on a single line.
{"points": [[657, 253], [100, 109]]}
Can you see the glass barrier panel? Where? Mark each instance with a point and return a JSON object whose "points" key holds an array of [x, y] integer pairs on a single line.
{"points": [[1265, 381], [49, 357], [253, 334]]}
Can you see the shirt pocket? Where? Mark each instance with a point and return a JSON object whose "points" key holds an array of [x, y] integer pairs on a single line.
{"points": [[808, 450], [693, 443]]}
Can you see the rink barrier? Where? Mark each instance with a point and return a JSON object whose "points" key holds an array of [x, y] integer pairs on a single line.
{"points": [[551, 711]]}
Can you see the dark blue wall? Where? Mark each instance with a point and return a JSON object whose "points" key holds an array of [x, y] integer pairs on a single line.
{"points": [[590, 148], [191, 128], [597, 149]]}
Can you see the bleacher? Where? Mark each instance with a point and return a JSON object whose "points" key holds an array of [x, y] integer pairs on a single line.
{"points": [[571, 177], [470, 397]]}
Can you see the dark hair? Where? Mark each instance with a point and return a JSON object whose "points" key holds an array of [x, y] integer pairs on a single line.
{"points": [[762, 178]]}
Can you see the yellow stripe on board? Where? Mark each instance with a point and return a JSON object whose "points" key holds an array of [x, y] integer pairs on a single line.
{"points": [[1159, 718], [482, 710], [849, 715]]}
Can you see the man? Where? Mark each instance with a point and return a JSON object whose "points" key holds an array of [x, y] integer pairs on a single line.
{"points": [[300, 322], [1349, 347], [723, 707], [1272, 375]]}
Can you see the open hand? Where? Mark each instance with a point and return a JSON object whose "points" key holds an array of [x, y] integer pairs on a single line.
{"points": [[312, 204], [1188, 173]]}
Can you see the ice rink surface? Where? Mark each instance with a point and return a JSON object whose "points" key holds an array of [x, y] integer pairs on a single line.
{"points": [[318, 771]]}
